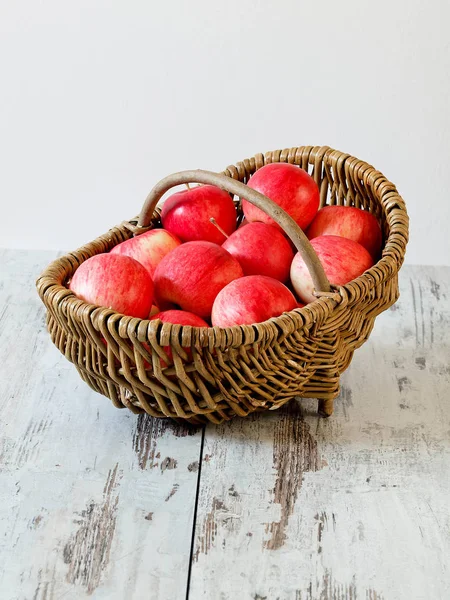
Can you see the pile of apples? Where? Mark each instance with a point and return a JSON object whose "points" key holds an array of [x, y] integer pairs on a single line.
{"points": [[201, 269]]}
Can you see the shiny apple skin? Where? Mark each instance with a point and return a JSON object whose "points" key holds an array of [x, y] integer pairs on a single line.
{"points": [[288, 186], [261, 249], [343, 260], [187, 214], [116, 282], [149, 248], [192, 275], [251, 299], [350, 222]]}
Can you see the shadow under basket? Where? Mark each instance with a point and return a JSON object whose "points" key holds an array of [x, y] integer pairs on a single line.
{"points": [[238, 370]]}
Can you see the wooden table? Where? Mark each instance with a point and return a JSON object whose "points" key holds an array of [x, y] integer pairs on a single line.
{"points": [[97, 502]]}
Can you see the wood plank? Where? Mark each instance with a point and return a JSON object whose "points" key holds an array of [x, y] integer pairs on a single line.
{"points": [[295, 507], [94, 501]]}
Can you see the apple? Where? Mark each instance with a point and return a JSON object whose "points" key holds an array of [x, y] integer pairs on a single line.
{"points": [[251, 299], [288, 186], [343, 260], [261, 250], [347, 221], [149, 248], [178, 317], [192, 275], [187, 214], [116, 282]]}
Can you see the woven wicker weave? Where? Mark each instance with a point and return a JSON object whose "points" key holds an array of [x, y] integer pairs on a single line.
{"points": [[237, 370]]}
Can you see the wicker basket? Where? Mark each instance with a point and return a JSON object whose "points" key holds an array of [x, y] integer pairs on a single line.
{"points": [[241, 369]]}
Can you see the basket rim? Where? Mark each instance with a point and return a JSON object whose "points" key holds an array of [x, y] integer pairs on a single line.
{"points": [[50, 282]]}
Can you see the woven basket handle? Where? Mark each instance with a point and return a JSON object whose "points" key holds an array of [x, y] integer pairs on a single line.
{"points": [[290, 227]]}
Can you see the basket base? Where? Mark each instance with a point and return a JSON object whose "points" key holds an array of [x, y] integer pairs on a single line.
{"points": [[122, 398]]}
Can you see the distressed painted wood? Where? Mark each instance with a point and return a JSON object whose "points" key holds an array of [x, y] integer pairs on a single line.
{"points": [[94, 502], [295, 507]]}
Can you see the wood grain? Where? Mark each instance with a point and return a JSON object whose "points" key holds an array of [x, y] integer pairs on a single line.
{"points": [[294, 453], [292, 506], [94, 502]]}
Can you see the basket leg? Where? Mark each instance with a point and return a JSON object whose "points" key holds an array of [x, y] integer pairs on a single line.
{"points": [[326, 407]]}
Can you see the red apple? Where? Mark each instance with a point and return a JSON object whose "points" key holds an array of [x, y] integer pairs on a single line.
{"points": [[343, 260], [149, 248], [347, 221], [290, 187], [261, 250], [116, 282], [187, 214], [251, 299], [192, 275]]}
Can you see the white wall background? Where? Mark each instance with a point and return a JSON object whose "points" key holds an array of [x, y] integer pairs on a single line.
{"points": [[100, 99]]}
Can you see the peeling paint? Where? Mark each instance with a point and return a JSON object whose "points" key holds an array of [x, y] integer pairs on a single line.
{"points": [[413, 294], [172, 492], [28, 447], [421, 362], [148, 431], [209, 531], [326, 588], [36, 521], [45, 589], [294, 453], [168, 463], [435, 289], [232, 492], [88, 550], [403, 383], [345, 400], [322, 524]]}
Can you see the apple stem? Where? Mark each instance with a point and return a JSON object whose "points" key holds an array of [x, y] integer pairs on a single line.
{"points": [[216, 224], [188, 186]]}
